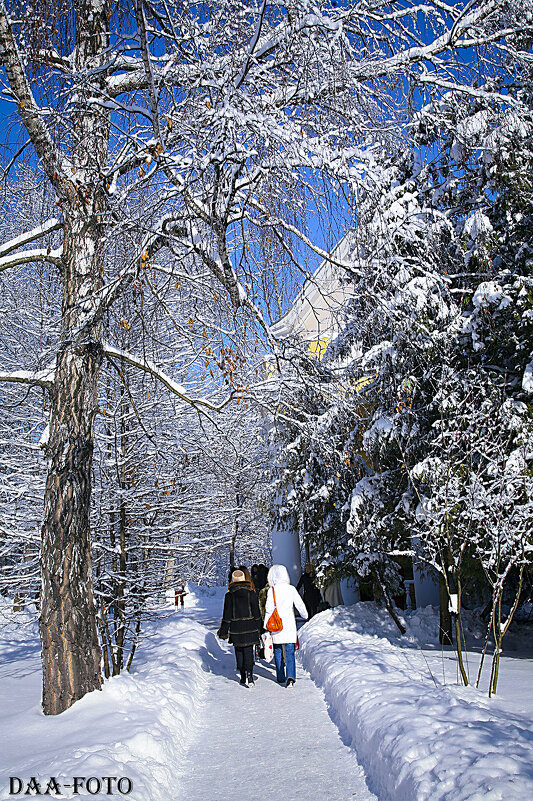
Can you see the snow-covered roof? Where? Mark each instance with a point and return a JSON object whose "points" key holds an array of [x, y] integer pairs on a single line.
{"points": [[313, 314]]}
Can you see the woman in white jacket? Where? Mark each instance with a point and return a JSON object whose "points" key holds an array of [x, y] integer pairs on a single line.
{"points": [[286, 598]]}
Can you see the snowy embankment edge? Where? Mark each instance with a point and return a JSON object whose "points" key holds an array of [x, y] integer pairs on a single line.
{"points": [[139, 725], [416, 738]]}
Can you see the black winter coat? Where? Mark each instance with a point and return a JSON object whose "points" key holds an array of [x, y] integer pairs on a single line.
{"points": [[241, 618], [312, 596]]}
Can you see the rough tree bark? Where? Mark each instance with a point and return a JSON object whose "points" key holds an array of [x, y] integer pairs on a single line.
{"points": [[71, 652]]}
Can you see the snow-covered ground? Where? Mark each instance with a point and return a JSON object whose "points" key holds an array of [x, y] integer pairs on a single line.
{"points": [[416, 732], [181, 728], [137, 727], [267, 742]]}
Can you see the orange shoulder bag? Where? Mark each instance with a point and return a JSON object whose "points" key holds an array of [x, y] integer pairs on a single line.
{"points": [[274, 621]]}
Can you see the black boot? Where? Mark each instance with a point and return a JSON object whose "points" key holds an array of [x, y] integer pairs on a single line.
{"points": [[251, 680], [243, 679]]}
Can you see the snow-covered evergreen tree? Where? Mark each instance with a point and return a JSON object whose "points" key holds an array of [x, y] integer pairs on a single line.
{"points": [[436, 347]]}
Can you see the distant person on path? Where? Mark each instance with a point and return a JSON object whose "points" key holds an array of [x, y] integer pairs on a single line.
{"points": [[311, 593], [179, 595], [262, 595], [259, 576], [242, 624], [262, 586], [284, 597]]}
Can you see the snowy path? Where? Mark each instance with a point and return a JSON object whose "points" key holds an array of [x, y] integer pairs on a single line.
{"points": [[266, 741]]}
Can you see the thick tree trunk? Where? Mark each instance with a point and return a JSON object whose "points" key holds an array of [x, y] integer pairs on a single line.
{"points": [[71, 652]]}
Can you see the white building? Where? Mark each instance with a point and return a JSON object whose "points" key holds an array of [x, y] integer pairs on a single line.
{"points": [[315, 313], [315, 317]]}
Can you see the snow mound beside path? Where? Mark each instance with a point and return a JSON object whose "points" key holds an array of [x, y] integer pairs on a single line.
{"points": [[417, 738], [139, 726]]}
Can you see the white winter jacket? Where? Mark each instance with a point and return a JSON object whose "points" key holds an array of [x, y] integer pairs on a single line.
{"points": [[287, 597]]}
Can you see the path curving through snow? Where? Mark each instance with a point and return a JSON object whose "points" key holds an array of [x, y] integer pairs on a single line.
{"points": [[265, 742]]}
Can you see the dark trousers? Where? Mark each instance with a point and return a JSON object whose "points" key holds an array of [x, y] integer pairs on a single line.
{"points": [[245, 658]]}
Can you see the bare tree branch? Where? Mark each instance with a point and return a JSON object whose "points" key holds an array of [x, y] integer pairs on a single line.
{"points": [[177, 389], [51, 157], [28, 256]]}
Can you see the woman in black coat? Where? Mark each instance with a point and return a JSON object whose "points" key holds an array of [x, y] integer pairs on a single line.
{"points": [[311, 593], [242, 624]]}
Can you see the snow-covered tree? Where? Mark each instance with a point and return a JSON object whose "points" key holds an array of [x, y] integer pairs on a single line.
{"points": [[436, 343]]}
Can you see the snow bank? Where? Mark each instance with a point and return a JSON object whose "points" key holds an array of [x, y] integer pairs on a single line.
{"points": [[416, 737], [138, 726]]}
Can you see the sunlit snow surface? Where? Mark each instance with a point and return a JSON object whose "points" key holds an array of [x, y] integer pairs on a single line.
{"points": [[419, 735], [136, 727], [182, 729]]}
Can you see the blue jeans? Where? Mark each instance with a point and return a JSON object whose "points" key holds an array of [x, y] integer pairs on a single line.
{"points": [[285, 670]]}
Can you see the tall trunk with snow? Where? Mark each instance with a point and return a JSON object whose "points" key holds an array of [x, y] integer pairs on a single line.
{"points": [[71, 653], [70, 648]]}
